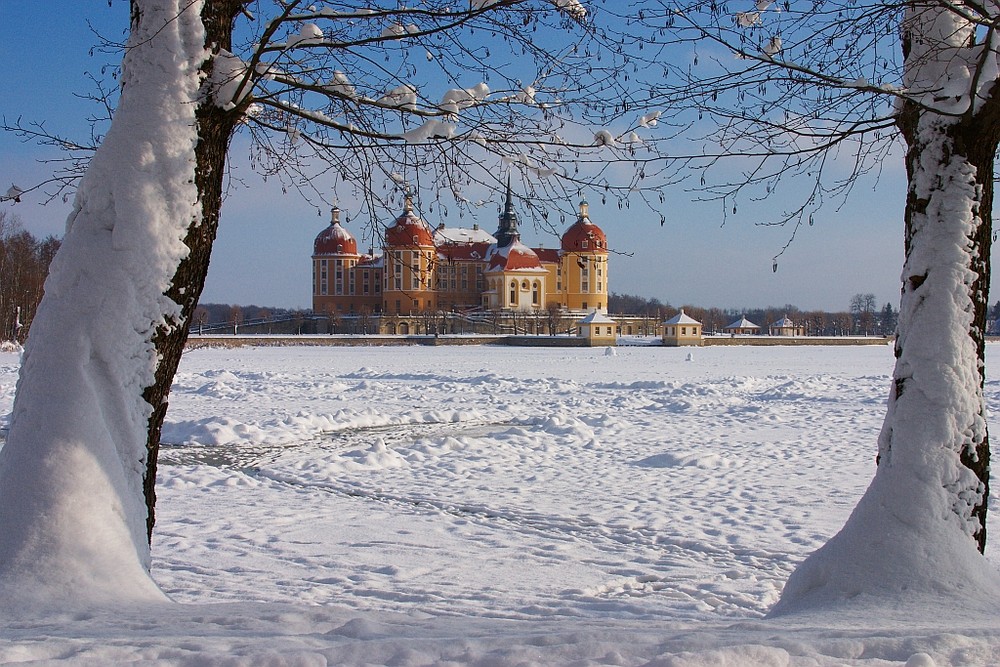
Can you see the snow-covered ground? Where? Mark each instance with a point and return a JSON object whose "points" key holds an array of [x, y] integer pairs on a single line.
{"points": [[507, 506]]}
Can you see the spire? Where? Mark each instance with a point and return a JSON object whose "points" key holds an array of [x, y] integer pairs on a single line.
{"points": [[507, 231], [584, 209], [408, 202], [508, 204], [335, 216]]}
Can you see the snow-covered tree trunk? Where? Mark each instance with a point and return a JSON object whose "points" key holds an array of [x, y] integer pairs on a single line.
{"points": [[215, 129], [75, 473], [936, 407], [920, 526]]}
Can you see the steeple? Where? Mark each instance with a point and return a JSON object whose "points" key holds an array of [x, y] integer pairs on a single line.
{"points": [[507, 231]]}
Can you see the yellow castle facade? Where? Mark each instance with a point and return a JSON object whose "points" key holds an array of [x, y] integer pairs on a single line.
{"points": [[424, 270]]}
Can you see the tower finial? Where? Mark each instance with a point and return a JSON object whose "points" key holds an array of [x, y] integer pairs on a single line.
{"points": [[335, 215], [507, 231], [408, 201]]}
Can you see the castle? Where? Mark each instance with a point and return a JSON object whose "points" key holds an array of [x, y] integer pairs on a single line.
{"points": [[459, 270]]}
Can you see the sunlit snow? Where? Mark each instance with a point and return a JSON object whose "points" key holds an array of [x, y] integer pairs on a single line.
{"points": [[505, 506]]}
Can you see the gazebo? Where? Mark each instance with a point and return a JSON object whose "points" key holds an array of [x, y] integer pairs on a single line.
{"points": [[682, 329], [785, 327], [598, 329], [743, 327]]}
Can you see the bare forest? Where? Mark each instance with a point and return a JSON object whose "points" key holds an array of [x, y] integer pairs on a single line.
{"points": [[24, 263]]}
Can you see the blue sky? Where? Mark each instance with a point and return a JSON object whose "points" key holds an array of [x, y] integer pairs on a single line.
{"points": [[265, 237]]}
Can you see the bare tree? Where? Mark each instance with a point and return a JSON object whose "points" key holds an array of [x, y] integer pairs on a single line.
{"points": [[863, 311], [200, 317], [24, 264], [810, 99], [334, 96], [236, 317], [813, 98]]}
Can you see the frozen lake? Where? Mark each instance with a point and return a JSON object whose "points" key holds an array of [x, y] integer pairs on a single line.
{"points": [[511, 483]]}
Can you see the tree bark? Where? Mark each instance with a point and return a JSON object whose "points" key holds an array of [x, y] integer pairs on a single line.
{"points": [[946, 157], [215, 129]]}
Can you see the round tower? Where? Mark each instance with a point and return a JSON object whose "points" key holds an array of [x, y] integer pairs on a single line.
{"points": [[584, 264], [335, 254], [408, 285]]}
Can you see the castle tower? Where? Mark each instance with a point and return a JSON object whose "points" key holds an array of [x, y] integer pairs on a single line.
{"points": [[335, 253], [409, 257], [584, 264]]}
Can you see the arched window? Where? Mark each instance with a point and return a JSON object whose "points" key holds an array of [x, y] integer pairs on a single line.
{"points": [[535, 297], [513, 292]]}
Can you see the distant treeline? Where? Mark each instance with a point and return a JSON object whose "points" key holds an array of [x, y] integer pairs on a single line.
{"points": [[863, 318], [24, 264]]}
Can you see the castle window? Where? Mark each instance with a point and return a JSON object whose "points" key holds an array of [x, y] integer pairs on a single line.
{"points": [[513, 292]]}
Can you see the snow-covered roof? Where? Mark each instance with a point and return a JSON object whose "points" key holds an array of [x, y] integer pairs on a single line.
{"points": [[548, 255], [597, 317], [448, 235], [457, 252], [784, 323], [584, 234], [335, 240], [682, 318], [408, 230], [370, 262], [514, 257], [743, 323]]}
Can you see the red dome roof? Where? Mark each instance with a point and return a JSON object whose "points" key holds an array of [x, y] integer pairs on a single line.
{"points": [[409, 231], [516, 256], [583, 235], [335, 240]]}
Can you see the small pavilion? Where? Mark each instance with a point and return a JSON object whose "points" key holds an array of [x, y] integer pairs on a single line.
{"points": [[682, 329], [743, 327], [598, 329], [785, 327]]}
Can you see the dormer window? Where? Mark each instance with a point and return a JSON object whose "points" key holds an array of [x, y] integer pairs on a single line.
{"points": [[585, 244]]}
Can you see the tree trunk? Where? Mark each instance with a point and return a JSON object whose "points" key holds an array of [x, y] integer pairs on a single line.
{"points": [[948, 235], [215, 129], [73, 473], [919, 529]]}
